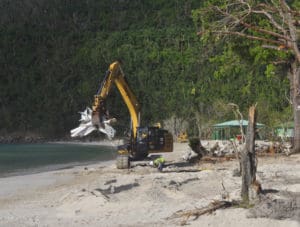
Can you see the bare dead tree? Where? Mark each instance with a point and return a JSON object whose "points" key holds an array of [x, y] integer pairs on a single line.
{"points": [[248, 159], [239, 116]]}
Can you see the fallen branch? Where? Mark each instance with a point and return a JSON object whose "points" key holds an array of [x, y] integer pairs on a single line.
{"points": [[208, 159], [182, 171], [196, 213]]}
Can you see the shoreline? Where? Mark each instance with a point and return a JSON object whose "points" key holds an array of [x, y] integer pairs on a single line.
{"points": [[54, 168], [56, 156], [109, 143], [103, 142]]}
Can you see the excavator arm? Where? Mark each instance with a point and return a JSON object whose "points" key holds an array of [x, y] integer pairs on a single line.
{"points": [[115, 76]]}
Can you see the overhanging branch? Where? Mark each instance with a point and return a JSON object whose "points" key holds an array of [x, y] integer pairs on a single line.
{"points": [[271, 19], [246, 36], [240, 21], [261, 30]]}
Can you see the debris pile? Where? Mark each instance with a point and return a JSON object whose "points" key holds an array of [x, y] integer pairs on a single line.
{"points": [[228, 148]]}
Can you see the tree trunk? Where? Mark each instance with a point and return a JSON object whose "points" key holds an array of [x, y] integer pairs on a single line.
{"points": [[295, 90], [248, 160], [198, 122]]}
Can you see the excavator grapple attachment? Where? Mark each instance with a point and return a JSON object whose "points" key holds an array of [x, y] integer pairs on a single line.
{"points": [[87, 126]]}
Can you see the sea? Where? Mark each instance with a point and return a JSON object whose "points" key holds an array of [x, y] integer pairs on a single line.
{"points": [[21, 159]]}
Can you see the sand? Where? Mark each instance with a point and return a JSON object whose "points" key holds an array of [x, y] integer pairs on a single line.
{"points": [[101, 195]]}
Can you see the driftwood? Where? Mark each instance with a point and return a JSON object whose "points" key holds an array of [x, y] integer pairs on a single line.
{"points": [[182, 171], [196, 213]]}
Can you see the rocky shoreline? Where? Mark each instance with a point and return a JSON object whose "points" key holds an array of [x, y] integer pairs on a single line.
{"points": [[17, 138], [14, 139], [24, 138]]}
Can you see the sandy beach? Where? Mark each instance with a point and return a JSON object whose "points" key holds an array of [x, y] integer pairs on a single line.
{"points": [[101, 195]]}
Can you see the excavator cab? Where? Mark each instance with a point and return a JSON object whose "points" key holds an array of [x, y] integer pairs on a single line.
{"points": [[153, 140]]}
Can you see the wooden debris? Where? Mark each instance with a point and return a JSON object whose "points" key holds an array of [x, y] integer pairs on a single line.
{"points": [[226, 147], [196, 213], [211, 159], [182, 171]]}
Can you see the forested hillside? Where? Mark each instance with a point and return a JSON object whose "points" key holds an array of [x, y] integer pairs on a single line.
{"points": [[54, 54]]}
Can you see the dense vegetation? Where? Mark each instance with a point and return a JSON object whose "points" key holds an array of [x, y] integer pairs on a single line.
{"points": [[54, 55]]}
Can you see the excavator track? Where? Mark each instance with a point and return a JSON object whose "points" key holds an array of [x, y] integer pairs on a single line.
{"points": [[123, 161]]}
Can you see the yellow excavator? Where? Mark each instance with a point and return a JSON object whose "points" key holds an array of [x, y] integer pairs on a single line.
{"points": [[143, 140], [182, 137]]}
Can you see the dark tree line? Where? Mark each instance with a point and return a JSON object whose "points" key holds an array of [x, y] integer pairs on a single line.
{"points": [[54, 55]]}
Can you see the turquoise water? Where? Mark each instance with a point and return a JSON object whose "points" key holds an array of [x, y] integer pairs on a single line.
{"points": [[27, 158]]}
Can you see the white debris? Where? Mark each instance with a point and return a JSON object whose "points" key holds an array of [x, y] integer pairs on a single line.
{"points": [[86, 115], [190, 154], [86, 126]]}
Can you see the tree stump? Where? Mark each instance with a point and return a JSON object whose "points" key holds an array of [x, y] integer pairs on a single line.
{"points": [[196, 146]]}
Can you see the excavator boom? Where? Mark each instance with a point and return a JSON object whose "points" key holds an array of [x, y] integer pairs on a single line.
{"points": [[115, 76]]}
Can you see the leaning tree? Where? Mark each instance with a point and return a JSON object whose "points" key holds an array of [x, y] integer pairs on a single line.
{"points": [[272, 24]]}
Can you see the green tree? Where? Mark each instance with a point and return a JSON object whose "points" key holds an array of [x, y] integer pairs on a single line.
{"points": [[272, 28]]}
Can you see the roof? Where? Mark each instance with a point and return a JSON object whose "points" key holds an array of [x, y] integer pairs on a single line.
{"points": [[289, 124], [235, 123]]}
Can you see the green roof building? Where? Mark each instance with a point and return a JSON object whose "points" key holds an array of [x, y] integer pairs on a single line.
{"points": [[231, 129], [285, 130]]}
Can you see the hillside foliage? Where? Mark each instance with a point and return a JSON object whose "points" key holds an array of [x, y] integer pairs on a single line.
{"points": [[54, 55]]}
